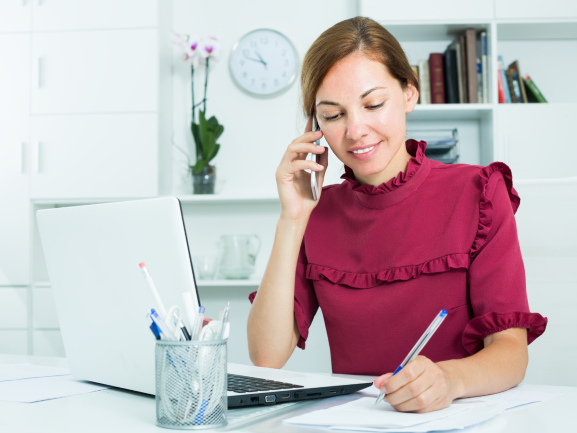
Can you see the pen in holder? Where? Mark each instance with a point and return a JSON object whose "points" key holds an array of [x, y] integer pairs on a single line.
{"points": [[191, 384]]}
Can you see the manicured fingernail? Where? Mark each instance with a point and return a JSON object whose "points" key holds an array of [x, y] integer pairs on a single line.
{"points": [[385, 398], [383, 389], [318, 132], [320, 166]]}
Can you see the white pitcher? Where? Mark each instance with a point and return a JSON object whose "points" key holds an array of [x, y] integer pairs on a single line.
{"points": [[238, 255]]}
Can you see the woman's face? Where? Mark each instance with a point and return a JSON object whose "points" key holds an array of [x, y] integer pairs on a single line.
{"points": [[361, 107]]}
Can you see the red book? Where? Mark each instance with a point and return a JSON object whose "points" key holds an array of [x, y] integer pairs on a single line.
{"points": [[500, 87], [437, 77]]}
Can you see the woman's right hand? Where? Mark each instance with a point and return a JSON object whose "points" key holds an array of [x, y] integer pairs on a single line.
{"points": [[293, 182]]}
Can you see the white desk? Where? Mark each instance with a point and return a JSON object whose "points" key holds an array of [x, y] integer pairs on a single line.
{"points": [[116, 410]]}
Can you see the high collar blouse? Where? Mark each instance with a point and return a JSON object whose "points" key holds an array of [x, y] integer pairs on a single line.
{"points": [[381, 262]]}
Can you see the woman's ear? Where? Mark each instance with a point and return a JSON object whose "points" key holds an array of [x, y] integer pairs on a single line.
{"points": [[411, 97]]}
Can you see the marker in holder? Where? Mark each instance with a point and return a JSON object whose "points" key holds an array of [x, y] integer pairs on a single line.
{"points": [[191, 384]]}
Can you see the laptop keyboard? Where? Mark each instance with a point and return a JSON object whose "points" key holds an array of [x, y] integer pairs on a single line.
{"points": [[243, 384]]}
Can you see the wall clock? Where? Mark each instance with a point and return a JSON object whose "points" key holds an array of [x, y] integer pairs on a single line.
{"points": [[264, 63]]}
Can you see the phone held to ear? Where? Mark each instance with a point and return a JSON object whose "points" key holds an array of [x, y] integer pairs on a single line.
{"points": [[315, 181]]}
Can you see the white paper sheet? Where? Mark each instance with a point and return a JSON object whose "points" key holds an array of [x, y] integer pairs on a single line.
{"points": [[45, 388], [515, 397], [468, 420], [363, 413], [28, 371]]}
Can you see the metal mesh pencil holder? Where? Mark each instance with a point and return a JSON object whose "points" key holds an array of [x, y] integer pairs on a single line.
{"points": [[191, 384]]}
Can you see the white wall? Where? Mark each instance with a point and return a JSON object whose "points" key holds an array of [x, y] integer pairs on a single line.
{"points": [[257, 132]]}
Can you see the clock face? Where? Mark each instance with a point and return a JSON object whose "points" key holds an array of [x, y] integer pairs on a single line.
{"points": [[263, 62]]}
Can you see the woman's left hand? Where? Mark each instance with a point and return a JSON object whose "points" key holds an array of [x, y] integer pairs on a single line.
{"points": [[421, 386]]}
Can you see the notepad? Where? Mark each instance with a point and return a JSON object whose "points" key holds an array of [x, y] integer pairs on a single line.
{"points": [[363, 413], [28, 371]]}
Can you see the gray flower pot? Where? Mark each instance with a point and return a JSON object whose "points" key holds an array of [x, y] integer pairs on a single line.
{"points": [[203, 183]]}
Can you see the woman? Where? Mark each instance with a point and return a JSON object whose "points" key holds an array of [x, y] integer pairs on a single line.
{"points": [[401, 238]]}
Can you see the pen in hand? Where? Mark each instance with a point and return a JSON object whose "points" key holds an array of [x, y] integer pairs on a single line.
{"points": [[419, 346]]}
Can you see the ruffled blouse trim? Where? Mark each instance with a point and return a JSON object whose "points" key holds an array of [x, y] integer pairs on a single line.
{"points": [[480, 327], [368, 280], [300, 319], [418, 147], [486, 203]]}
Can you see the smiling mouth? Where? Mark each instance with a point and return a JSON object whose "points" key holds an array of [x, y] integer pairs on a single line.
{"points": [[368, 149]]}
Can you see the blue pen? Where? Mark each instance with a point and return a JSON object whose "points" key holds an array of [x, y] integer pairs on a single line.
{"points": [[161, 325], [419, 346]]}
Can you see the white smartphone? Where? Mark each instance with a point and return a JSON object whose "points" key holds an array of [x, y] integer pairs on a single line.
{"points": [[315, 181]]}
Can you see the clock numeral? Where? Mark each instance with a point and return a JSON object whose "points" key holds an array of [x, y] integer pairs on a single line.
{"points": [[286, 62], [276, 82], [246, 53], [284, 73], [282, 52], [263, 85], [251, 82], [264, 40], [276, 44], [241, 63], [244, 75], [253, 44]]}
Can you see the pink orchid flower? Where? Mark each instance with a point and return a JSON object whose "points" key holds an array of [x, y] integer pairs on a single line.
{"points": [[189, 48], [210, 48]]}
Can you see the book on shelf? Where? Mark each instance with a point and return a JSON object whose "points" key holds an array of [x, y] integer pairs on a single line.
{"points": [[451, 76], [500, 88], [424, 82], [457, 47], [511, 84], [479, 80], [471, 61], [436, 72], [415, 71], [533, 92], [416, 74], [515, 87], [460, 74], [503, 79], [463, 58], [518, 82], [484, 67]]}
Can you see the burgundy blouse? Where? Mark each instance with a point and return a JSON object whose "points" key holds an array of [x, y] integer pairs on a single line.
{"points": [[381, 262]]}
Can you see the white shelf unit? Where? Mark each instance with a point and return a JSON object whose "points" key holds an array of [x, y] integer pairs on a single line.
{"points": [[251, 282], [535, 140], [85, 113]]}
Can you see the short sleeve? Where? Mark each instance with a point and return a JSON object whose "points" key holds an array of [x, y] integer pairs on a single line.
{"points": [[306, 304], [496, 274]]}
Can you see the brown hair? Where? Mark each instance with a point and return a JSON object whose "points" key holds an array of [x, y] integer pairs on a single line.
{"points": [[350, 36]]}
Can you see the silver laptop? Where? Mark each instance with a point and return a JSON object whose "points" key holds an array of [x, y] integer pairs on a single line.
{"points": [[93, 254]]}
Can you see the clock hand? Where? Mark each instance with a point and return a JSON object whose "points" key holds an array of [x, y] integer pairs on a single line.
{"points": [[261, 60], [250, 58]]}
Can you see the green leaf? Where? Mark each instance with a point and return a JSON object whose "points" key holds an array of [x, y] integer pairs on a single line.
{"points": [[196, 136], [199, 166], [208, 144], [204, 134], [218, 130], [215, 149], [212, 121]]}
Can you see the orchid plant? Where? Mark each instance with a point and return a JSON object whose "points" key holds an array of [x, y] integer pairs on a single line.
{"points": [[200, 52]]}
